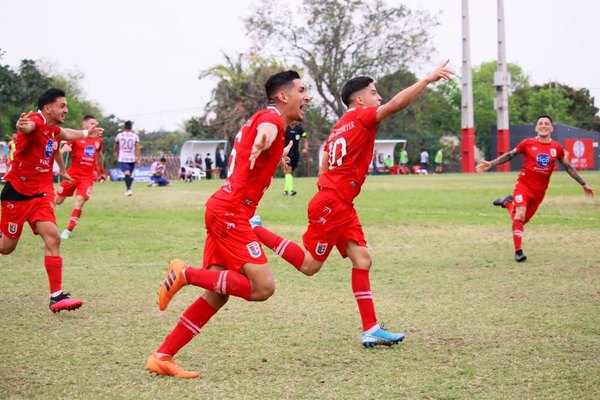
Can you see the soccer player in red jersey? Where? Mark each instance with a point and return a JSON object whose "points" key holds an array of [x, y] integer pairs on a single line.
{"points": [[86, 157], [24, 198], [332, 219], [234, 262], [539, 156]]}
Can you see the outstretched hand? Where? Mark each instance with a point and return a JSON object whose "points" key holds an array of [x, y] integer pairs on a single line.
{"points": [[441, 72], [483, 166], [24, 124], [589, 191], [95, 131]]}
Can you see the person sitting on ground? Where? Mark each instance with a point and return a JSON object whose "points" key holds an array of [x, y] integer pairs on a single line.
{"points": [[158, 169]]}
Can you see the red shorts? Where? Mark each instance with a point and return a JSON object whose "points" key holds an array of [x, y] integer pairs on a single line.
{"points": [[16, 213], [524, 197], [48, 189], [230, 240], [331, 222], [80, 186]]}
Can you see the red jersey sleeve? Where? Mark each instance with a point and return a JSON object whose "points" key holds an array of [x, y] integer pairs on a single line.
{"points": [[521, 146]]}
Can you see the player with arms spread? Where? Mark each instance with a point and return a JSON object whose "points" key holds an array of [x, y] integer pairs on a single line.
{"points": [[539, 156], [79, 180], [332, 219], [234, 262], [25, 197]]}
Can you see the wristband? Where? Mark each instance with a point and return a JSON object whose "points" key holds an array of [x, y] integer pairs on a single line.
{"points": [[85, 133]]}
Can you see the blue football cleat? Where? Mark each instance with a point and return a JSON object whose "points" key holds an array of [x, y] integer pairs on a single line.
{"points": [[255, 221], [381, 337]]}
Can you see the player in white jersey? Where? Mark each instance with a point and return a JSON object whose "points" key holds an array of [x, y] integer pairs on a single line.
{"points": [[127, 149]]}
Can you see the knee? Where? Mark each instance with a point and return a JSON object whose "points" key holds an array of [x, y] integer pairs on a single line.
{"points": [[310, 265], [364, 263], [263, 292], [52, 241]]}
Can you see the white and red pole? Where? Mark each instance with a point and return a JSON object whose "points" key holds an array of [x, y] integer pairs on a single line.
{"points": [[502, 83], [467, 122]]}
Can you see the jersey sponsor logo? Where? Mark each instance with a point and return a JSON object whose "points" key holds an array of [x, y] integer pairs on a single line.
{"points": [[49, 148], [12, 228], [543, 160], [321, 248], [89, 151], [519, 198], [253, 249]]}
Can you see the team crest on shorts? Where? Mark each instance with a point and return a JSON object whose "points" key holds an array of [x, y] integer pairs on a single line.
{"points": [[254, 249], [519, 198], [321, 248], [553, 152], [12, 228]]}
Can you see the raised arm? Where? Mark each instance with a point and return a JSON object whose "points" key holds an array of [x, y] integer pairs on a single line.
{"points": [[265, 135], [408, 95], [589, 191], [24, 124], [486, 165]]}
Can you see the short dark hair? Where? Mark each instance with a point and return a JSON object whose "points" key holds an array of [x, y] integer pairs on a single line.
{"points": [[162, 159], [354, 85], [544, 116], [275, 82], [128, 124], [50, 96], [88, 116]]}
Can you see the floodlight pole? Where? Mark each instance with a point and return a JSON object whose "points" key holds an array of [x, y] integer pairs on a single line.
{"points": [[467, 121], [502, 83]]}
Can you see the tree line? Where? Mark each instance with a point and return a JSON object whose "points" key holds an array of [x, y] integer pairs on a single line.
{"points": [[328, 41]]}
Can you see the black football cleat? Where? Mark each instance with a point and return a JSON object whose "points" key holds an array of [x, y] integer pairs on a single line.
{"points": [[501, 202], [520, 256]]}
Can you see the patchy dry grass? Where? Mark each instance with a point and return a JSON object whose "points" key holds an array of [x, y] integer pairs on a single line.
{"points": [[478, 324]]}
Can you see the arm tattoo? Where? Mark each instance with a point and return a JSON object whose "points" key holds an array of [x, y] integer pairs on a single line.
{"points": [[571, 171], [506, 157]]}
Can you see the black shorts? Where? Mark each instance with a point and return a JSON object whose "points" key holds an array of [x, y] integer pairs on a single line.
{"points": [[293, 162]]}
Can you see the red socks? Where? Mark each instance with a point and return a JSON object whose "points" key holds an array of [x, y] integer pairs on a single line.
{"points": [[53, 266], [222, 282], [361, 287], [517, 228], [284, 248], [189, 325], [74, 219]]}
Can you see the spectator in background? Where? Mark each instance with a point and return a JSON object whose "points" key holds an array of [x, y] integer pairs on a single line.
{"points": [[209, 163], [424, 162], [221, 164], [197, 161], [404, 162], [387, 163], [185, 174], [439, 161], [157, 169]]}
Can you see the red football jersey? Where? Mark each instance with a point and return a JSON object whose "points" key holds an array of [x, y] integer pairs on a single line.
{"points": [[83, 153], [244, 187], [350, 151], [34, 157], [538, 162]]}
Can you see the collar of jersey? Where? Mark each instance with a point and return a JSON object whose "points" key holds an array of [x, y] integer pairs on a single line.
{"points": [[274, 108], [44, 118]]}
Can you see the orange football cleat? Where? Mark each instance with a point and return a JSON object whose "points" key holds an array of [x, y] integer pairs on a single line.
{"points": [[172, 283], [167, 366]]}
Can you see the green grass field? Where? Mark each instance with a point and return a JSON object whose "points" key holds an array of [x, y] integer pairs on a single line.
{"points": [[478, 325]]}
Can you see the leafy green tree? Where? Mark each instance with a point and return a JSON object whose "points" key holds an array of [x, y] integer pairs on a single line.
{"points": [[335, 40]]}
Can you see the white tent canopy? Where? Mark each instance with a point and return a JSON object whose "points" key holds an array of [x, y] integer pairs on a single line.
{"points": [[203, 147], [385, 147]]}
